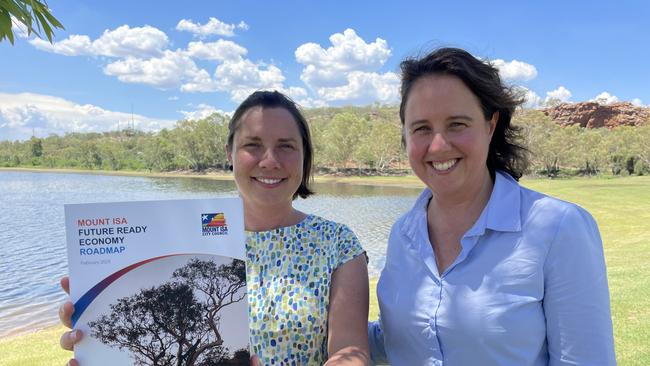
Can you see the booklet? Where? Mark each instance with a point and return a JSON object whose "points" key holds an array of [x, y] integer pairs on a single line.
{"points": [[159, 282]]}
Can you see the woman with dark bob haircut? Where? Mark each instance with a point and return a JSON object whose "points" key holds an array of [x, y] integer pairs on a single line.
{"points": [[306, 276], [482, 271]]}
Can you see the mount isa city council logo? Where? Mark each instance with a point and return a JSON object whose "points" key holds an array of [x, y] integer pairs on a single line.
{"points": [[214, 224]]}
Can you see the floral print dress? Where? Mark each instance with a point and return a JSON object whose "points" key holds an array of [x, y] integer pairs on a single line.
{"points": [[289, 272]]}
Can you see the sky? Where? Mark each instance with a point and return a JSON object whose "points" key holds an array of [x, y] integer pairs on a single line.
{"points": [[152, 63]]}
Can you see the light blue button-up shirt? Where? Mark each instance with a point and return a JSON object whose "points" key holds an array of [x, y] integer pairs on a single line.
{"points": [[529, 287]]}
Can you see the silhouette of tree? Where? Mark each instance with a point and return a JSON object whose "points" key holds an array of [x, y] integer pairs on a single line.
{"points": [[176, 323]]}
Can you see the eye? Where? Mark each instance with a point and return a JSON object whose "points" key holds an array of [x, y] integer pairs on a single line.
{"points": [[457, 125], [287, 146], [420, 129], [251, 145]]}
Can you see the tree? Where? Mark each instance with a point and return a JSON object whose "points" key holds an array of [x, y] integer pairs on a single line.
{"points": [[176, 323], [381, 146], [642, 147], [34, 15], [342, 136], [36, 147], [591, 150], [620, 149], [201, 142]]}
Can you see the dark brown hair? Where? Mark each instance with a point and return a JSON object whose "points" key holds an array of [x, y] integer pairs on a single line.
{"points": [[275, 99], [505, 152]]}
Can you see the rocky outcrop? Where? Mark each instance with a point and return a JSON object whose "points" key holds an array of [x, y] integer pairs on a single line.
{"points": [[593, 115]]}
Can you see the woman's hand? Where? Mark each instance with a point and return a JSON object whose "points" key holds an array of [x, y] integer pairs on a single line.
{"points": [[68, 339]]}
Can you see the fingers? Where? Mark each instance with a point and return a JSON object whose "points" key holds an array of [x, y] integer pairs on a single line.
{"points": [[65, 313], [69, 339], [65, 284], [73, 362]]}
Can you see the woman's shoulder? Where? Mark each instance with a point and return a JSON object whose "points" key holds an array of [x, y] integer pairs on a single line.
{"points": [[543, 209], [317, 223]]}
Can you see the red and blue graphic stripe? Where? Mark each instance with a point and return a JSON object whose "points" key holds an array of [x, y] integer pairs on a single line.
{"points": [[87, 298]]}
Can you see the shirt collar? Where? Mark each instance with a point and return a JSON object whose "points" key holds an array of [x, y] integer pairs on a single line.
{"points": [[502, 212]]}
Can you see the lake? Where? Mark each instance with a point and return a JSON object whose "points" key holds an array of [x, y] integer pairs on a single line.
{"points": [[32, 238]]}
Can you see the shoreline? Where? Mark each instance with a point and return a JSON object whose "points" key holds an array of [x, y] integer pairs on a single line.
{"points": [[406, 181]]}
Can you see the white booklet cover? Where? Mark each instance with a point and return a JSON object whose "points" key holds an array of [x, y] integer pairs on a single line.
{"points": [[159, 282]]}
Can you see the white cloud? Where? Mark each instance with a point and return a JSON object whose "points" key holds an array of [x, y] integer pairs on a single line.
{"points": [[239, 78], [365, 88], [295, 92], [349, 52], [220, 50], [21, 114], [173, 98], [560, 94], [605, 98], [245, 73], [638, 102], [123, 41], [203, 111], [214, 26], [19, 29], [347, 70], [169, 71], [75, 45], [243, 26], [515, 70], [136, 42], [531, 99]]}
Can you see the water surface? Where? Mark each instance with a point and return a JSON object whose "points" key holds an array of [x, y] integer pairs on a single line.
{"points": [[32, 238]]}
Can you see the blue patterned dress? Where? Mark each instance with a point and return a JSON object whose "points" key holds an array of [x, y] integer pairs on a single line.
{"points": [[289, 272]]}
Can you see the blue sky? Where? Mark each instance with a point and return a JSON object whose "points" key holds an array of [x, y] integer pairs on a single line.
{"points": [[169, 60]]}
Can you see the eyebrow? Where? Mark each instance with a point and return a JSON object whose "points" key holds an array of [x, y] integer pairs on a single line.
{"points": [[460, 116], [290, 139]]}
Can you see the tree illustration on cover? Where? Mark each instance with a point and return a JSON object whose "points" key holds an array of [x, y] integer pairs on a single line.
{"points": [[170, 325]]}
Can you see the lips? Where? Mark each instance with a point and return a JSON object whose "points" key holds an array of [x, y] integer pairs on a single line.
{"points": [[442, 166]]}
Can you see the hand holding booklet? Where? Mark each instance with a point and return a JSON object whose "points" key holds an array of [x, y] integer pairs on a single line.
{"points": [[159, 282]]}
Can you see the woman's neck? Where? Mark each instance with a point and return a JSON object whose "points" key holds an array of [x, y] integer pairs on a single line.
{"points": [[268, 218], [461, 211]]}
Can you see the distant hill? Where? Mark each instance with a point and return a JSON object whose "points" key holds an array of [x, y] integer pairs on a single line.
{"points": [[594, 115]]}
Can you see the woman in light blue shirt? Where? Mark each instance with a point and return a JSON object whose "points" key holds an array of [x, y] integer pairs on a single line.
{"points": [[482, 271]]}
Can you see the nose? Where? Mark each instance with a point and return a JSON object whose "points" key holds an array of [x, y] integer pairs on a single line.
{"points": [[438, 143], [269, 160]]}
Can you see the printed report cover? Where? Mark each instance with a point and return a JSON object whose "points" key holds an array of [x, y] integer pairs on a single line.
{"points": [[159, 282]]}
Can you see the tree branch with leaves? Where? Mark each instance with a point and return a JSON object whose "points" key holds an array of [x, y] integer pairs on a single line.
{"points": [[33, 15]]}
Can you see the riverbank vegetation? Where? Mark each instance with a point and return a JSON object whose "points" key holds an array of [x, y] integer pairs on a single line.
{"points": [[347, 141]]}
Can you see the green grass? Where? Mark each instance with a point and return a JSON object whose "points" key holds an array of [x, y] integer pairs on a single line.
{"points": [[35, 349], [620, 205]]}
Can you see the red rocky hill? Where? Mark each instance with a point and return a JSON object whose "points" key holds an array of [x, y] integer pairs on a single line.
{"points": [[592, 114]]}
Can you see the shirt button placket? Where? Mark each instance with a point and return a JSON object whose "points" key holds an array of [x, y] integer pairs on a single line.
{"points": [[437, 351]]}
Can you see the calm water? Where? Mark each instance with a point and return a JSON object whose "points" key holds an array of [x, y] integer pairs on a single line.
{"points": [[32, 237]]}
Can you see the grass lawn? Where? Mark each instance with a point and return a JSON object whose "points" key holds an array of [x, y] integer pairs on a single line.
{"points": [[36, 349], [620, 205]]}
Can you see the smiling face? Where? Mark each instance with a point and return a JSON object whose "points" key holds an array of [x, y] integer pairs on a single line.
{"points": [[447, 136], [267, 158]]}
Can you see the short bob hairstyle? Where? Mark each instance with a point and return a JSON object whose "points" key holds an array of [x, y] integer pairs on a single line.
{"points": [[275, 99], [505, 152]]}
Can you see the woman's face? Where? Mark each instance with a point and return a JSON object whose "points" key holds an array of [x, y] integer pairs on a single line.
{"points": [[267, 158], [447, 136]]}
